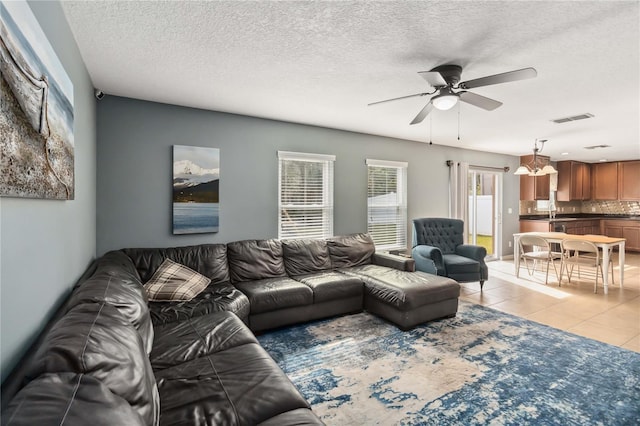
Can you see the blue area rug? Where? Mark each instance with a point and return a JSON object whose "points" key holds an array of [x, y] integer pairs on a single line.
{"points": [[481, 367]]}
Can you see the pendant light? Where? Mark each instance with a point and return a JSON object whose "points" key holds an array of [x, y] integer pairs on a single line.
{"points": [[535, 170]]}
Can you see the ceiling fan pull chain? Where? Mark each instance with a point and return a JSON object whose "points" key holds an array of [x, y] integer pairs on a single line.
{"points": [[430, 128]]}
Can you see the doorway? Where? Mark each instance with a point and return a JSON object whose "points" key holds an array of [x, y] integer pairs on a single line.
{"points": [[484, 218]]}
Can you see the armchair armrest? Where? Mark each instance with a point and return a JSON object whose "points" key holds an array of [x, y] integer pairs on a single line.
{"points": [[394, 261], [429, 259], [478, 254], [472, 252]]}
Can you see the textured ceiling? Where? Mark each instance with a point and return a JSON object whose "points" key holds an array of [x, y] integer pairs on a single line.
{"points": [[321, 63]]}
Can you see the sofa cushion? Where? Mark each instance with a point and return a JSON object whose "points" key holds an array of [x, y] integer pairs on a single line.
{"points": [[68, 399], [330, 285], [96, 340], [116, 282], [214, 298], [456, 264], [208, 259], [255, 260], [175, 282], [238, 386], [275, 293], [351, 250], [305, 256], [193, 338]]}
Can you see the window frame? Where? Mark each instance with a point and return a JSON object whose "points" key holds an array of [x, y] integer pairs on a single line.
{"points": [[327, 205], [401, 214]]}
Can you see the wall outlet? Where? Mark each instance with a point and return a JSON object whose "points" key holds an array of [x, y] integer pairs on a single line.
{"points": [[509, 243], [574, 209], [593, 209], [528, 209], [509, 210]]}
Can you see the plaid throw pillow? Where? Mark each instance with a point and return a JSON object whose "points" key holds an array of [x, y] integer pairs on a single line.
{"points": [[175, 282]]}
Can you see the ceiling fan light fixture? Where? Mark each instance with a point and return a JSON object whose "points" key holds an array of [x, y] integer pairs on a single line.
{"points": [[445, 100], [522, 170], [445, 78], [549, 170]]}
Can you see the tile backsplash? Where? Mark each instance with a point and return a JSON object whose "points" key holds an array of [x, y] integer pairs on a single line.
{"points": [[611, 207], [591, 207]]}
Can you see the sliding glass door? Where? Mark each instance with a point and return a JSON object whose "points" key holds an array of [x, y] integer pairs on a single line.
{"points": [[484, 220]]}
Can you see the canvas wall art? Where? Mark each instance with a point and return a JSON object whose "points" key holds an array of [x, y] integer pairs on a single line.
{"points": [[196, 180], [36, 111]]}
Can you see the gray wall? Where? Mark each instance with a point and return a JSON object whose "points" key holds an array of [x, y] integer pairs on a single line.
{"points": [[46, 244], [134, 173]]}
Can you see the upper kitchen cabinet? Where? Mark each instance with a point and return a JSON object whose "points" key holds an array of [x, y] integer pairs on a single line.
{"points": [[534, 187], [574, 181], [629, 180], [604, 177]]}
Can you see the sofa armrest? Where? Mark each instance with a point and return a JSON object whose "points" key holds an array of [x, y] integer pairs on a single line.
{"points": [[472, 252], [429, 259], [394, 261]]}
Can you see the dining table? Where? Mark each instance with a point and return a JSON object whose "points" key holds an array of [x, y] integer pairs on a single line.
{"points": [[601, 241]]}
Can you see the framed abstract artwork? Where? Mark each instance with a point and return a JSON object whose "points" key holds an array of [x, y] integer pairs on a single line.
{"points": [[196, 182], [36, 111]]}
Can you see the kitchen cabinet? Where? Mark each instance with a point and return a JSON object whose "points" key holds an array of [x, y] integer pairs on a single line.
{"points": [[604, 178], [618, 228], [574, 226], [629, 180], [615, 181], [629, 229], [534, 187], [535, 225], [574, 181], [583, 227]]}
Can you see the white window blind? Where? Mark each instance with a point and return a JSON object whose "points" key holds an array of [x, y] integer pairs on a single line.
{"points": [[387, 203], [306, 195]]}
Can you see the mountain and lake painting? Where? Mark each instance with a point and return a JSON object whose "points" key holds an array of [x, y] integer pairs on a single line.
{"points": [[196, 180]]}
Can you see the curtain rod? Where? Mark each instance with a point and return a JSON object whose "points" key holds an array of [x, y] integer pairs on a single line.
{"points": [[502, 169]]}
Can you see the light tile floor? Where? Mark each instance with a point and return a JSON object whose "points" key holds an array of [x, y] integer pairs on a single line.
{"points": [[613, 318]]}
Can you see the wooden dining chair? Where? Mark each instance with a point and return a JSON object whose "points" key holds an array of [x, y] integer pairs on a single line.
{"points": [[537, 249], [580, 253]]}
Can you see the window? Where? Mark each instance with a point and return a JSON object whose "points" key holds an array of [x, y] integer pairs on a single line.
{"points": [[387, 203], [306, 195]]}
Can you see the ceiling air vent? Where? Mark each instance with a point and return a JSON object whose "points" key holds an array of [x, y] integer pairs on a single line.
{"points": [[597, 146], [573, 118]]}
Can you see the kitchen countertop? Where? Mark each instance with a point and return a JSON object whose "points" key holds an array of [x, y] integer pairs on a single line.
{"points": [[579, 216]]}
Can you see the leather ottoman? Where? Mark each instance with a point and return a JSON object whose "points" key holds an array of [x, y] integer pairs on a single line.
{"points": [[407, 298]]}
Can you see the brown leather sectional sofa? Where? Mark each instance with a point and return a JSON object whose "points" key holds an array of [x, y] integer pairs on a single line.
{"points": [[113, 358]]}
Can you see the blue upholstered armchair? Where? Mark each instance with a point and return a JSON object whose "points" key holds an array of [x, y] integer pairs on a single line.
{"points": [[438, 249]]}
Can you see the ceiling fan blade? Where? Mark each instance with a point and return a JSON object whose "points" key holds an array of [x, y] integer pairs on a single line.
{"points": [[505, 77], [397, 99], [423, 113], [479, 101], [434, 78]]}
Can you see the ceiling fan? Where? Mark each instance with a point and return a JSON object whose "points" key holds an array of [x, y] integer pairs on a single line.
{"points": [[446, 78]]}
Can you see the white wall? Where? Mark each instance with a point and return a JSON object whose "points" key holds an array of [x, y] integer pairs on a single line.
{"points": [[47, 244]]}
